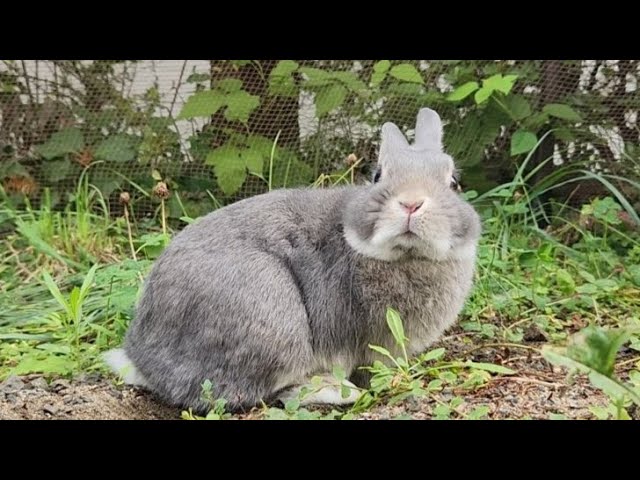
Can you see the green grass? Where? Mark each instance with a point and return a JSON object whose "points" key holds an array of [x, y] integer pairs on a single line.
{"points": [[69, 281]]}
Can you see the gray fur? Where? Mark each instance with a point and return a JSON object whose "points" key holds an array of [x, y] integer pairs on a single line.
{"points": [[262, 294]]}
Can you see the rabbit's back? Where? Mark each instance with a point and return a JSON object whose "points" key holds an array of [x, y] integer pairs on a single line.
{"points": [[228, 296]]}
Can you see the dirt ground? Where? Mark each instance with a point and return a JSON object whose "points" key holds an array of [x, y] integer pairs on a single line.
{"points": [[536, 391]]}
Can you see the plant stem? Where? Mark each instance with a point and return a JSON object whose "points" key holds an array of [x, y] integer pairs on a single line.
{"points": [[164, 217], [126, 217]]}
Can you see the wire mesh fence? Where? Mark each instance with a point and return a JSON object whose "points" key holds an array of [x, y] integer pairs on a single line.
{"points": [[217, 131]]}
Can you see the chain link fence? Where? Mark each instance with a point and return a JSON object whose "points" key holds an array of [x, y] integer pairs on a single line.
{"points": [[217, 131]]}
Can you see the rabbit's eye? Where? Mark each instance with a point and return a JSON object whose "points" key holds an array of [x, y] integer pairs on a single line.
{"points": [[376, 175], [455, 183]]}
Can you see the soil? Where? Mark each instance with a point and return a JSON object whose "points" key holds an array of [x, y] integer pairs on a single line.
{"points": [[536, 391]]}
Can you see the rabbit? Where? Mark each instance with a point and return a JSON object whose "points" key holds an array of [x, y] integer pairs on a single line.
{"points": [[263, 294]]}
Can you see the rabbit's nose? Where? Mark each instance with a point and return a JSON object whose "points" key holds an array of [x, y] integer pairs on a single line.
{"points": [[411, 207]]}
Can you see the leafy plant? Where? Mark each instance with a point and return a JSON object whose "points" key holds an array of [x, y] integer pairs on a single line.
{"points": [[593, 351]]}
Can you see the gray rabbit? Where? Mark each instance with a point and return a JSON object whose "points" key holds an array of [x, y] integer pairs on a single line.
{"points": [[262, 295]]}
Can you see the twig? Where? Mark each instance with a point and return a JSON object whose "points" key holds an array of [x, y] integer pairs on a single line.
{"points": [[175, 95], [530, 380], [491, 345], [627, 362], [126, 216], [27, 84]]}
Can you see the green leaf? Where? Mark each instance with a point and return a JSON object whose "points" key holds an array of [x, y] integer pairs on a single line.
{"points": [[57, 170], [478, 412], [557, 416], [31, 232], [229, 167], [482, 95], [202, 104], [240, 104], [350, 80], [292, 405], [55, 348], [50, 364], [198, 77], [607, 284], [600, 413], [508, 83], [433, 354], [339, 373], [565, 281], [587, 289], [435, 384], [500, 83], [345, 391], [463, 91], [560, 110], [381, 66], [329, 98], [395, 325], [316, 77], [407, 73], [289, 170], [377, 78], [587, 276], [518, 106], [260, 144], [523, 141], [281, 81], [609, 386], [380, 70], [253, 161], [68, 140], [229, 85], [231, 163], [536, 121], [489, 367], [528, 259], [597, 347], [55, 291], [40, 337], [88, 282], [382, 351], [116, 148]]}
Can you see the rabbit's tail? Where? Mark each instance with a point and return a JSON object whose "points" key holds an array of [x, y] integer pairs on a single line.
{"points": [[121, 364]]}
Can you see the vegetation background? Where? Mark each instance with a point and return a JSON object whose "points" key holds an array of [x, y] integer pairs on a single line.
{"points": [[101, 162]]}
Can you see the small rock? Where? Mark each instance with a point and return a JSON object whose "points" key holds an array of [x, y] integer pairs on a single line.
{"points": [[50, 409], [88, 378], [535, 334], [412, 405], [12, 398], [39, 383], [117, 394], [59, 385], [12, 384], [73, 400]]}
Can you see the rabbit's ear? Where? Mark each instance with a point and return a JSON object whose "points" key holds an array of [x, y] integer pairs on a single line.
{"points": [[428, 130], [393, 141]]}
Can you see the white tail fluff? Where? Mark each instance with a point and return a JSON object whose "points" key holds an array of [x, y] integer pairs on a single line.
{"points": [[119, 362]]}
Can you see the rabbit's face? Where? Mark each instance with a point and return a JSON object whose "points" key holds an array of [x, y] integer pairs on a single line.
{"points": [[413, 209]]}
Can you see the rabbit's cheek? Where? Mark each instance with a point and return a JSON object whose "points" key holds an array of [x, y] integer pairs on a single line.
{"points": [[463, 252]]}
